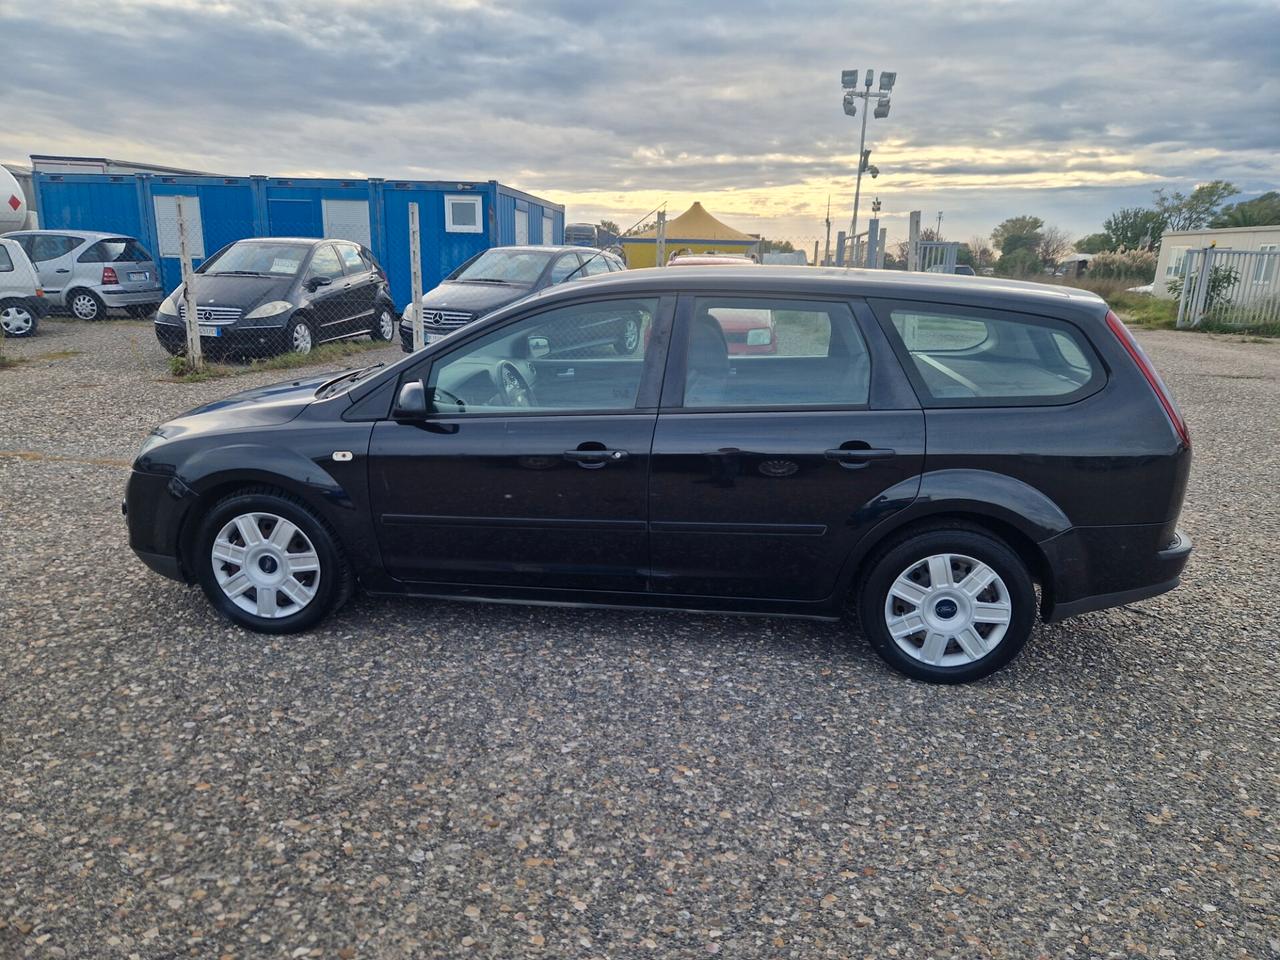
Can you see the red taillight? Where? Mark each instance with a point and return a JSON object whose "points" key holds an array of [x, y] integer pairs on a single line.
{"points": [[109, 276], [1153, 378]]}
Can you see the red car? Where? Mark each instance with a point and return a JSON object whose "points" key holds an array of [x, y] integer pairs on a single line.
{"points": [[747, 331]]}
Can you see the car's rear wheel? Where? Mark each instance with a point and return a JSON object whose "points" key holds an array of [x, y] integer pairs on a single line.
{"points": [[17, 319], [86, 305], [947, 605], [384, 323], [267, 562], [629, 339]]}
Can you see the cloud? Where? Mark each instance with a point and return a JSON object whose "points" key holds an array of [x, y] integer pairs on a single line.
{"points": [[1001, 107]]}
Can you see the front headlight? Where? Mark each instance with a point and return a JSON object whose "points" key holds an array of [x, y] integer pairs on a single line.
{"points": [[759, 337], [170, 306], [272, 309]]}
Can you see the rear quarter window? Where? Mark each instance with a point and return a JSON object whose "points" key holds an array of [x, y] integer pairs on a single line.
{"points": [[6, 261], [962, 356]]}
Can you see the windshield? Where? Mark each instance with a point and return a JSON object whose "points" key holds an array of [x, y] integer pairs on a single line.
{"points": [[262, 259], [507, 266]]}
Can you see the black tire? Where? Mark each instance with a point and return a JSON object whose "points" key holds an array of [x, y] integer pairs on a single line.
{"points": [[334, 579], [909, 556], [385, 323], [86, 305], [628, 341], [18, 319], [289, 339]]}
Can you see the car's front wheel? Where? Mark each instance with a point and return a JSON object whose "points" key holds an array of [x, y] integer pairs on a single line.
{"points": [[629, 339], [948, 605], [17, 319], [298, 335], [267, 562]]}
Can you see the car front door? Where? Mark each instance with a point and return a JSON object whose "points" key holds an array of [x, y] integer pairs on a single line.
{"points": [[769, 467], [329, 297], [50, 254], [531, 469]]}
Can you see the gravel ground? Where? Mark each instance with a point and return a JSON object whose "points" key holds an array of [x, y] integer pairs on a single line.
{"points": [[445, 780]]}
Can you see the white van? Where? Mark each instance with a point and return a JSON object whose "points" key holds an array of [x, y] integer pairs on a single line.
{"points": [[22, 302]]}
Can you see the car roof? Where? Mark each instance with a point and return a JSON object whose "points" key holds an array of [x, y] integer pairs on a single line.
{"points": [[711, 260], [819, 281], [82, 234], [311, 240], [548, 248]]}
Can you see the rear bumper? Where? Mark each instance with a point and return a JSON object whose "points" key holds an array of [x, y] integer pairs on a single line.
{"points": [[39, 306], [130, 298], [1101, 567]]}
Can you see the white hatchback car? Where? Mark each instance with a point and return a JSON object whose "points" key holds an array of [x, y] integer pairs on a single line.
{"points": [[86, 272], [22, 302]]}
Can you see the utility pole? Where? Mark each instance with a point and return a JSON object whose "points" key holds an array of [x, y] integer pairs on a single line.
{"points": [[849, 80], [938, 231], [826, 251]]}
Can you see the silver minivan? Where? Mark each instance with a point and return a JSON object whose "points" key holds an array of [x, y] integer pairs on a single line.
{"points": [[87, 272]]}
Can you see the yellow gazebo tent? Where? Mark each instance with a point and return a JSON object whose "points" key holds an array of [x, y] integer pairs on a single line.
{"points": [[694, 231]]}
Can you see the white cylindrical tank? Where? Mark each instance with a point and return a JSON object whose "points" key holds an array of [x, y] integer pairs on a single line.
{"points": [[13, 203]]}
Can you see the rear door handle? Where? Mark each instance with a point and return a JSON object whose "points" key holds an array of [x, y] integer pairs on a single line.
{"points": [[860, 457]]}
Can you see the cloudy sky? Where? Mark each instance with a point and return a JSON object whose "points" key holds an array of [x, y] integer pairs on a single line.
{"points": [[1064, 110]]}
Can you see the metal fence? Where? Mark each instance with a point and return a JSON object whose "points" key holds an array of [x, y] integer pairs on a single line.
{"points": [[1230, 288], [263, 297]]}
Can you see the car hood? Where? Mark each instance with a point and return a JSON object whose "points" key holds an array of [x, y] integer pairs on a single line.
{"points": [[477, 298], [236, 291], [271, 405]]}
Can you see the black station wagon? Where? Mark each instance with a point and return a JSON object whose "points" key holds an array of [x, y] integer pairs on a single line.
{"points": [[927, 450]]}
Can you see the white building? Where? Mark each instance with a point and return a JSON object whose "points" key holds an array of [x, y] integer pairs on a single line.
{"points": [[1175, 244]]}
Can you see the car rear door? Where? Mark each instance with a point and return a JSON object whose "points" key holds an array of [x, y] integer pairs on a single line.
{"points": [[548, 491], [361, 285], [768, 470]]}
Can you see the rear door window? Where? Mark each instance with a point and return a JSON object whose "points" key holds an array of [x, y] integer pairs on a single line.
{"points": [[962, 356], [762, 352], [51, 246], [115, 250]]}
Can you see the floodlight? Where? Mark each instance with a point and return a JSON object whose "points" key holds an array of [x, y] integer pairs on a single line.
{"points": [[870, 74], [874, 171], [887, 78], [850, 104], [848, 78], [882, 108]]}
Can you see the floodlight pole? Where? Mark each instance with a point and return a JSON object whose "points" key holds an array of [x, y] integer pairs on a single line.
{"points": [[862, 143]]}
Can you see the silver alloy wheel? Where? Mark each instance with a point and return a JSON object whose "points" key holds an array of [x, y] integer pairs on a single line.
{"points": [[302, 337], [265, 565], [386, 325], [16, 321], [84, 306], [631, 335], [948, 610]]}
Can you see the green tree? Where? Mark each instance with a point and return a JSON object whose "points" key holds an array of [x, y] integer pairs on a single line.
{"points": [[1017, 233], [1094, 243], [776, 246], [1261, 211], [1183, 212], [1133, 228], [608, 226], [1019, 262]]}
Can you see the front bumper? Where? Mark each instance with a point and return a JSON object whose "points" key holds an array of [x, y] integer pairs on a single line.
{"points": [[233, 339], [154, 507], [39, 306], [429, 331], [1101, 567]]}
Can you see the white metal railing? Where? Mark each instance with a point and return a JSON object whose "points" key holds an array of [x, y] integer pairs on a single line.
{"points": [[1231, 288]]}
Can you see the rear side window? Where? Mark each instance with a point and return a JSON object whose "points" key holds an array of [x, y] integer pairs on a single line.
{"points": [[115, 250], [6, 261], [959, 356], [351, 258], [764, 352], [46, 247]]}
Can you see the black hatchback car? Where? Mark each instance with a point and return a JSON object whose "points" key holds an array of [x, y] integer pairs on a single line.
{"points": [[926, 449], [500, 276], [270, 295]]}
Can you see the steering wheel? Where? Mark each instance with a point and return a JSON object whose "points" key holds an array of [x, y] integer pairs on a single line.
{"points": [[515, 389]]}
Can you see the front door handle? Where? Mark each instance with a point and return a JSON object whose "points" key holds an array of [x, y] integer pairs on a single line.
{"points": [[859, 457], [595, 458], [62, 270]]}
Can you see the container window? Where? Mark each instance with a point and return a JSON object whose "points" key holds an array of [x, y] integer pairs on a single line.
{"points": [[462, 215]]}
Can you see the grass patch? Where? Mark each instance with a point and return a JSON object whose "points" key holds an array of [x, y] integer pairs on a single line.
{"points": [[57, 355], [7, 362], [1144, 310], [180, 371]]}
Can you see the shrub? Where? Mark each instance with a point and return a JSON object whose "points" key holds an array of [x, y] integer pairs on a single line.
{"points": [[1138, 266]]}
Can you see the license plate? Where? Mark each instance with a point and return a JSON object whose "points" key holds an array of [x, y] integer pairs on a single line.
{"points": [[206, 331], [435, 338], [139, 275]]}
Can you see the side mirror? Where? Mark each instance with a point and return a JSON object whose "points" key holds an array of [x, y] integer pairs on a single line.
{"points": [[411, 402], [315, 283], [539, 347]]}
